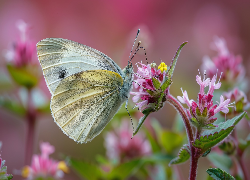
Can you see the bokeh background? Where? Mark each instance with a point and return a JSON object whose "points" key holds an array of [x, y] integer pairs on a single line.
{"points": [[110, 26]]}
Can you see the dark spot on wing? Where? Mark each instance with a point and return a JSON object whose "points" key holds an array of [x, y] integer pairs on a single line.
{"points": [[62, 73]]}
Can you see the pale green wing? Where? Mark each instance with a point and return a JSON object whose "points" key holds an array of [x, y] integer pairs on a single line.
{"points": [[61, 58], [85, 102]]}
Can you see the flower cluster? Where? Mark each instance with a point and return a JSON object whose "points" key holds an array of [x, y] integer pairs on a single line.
{"points": [[145, 84], [225, 62], [43, 166], [121, 147], [23, 50], [202, 113]]}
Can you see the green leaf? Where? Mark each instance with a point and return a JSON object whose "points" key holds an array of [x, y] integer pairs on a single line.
{"points": [[22, 76], [154, 144], [146, 112], [166, 83], [206, 153], [86, 169], [219, 174], [157, 158], [170, 140], [210, 138], [123, 171], [183, 156], [178, 125], [174, 60], [156, 83], [12, 106], [221, 161]]}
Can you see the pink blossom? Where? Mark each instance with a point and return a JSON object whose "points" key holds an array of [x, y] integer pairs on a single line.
{"points": [[204, 109], [121, 147], [225, 62], [43, 166], [23, 50], [144, 83]]}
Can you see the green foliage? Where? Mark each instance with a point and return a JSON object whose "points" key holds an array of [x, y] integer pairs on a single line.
{"points": [[206, 152], [218, 174], [23, 76], [243, 144], [170, 140], [174, 61], [12, 106], [183, 156], [124, 170], [154, 144], [221, 161], [168, 79], [210, 138], [86, 170], [146, 112]]}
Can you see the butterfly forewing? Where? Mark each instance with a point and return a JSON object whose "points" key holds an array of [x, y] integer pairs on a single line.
{"points": [[85, 102], [61, 58]]}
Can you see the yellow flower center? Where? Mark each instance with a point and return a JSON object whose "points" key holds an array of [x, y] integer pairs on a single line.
{"points": [[162, 67], [25, 171], [62, 166]]}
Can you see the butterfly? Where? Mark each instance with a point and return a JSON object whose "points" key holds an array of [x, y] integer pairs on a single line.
{"points": [[87, 87]]}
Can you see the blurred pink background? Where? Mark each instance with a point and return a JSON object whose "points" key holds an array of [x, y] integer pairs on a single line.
{"points": [[110, 26]]}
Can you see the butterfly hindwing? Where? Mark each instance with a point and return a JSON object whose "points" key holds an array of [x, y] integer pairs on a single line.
{"points": [[61, 58], [85, 102]]}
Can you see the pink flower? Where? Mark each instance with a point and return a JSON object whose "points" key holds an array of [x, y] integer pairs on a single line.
{"points": [[43, 166], [204, 109], [23, 50], [121, 147], [146, 91], [225, 62]]}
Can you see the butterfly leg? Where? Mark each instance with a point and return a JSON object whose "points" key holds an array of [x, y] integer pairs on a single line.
{"points": [[126, 106]]}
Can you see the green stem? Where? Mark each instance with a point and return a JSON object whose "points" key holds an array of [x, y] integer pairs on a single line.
{"points": [[175, 103]]}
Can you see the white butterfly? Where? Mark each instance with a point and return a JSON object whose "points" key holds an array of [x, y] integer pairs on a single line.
{"points": [[87, 87]]}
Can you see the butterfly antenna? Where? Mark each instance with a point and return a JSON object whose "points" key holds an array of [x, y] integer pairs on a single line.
{"points": [[126, 106], [129, 61]]}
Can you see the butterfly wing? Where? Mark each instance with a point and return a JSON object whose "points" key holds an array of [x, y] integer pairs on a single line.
{"points": [[85, 102], [61, 58]]}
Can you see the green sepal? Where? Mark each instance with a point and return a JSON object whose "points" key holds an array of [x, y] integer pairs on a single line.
{"points": [[218, 174], [195, 122], [150, 92], [206, 152], [156, 83], [183, 156], [146, 112], [210, 138], [166, 83], [204, 113], [198, 112]]}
